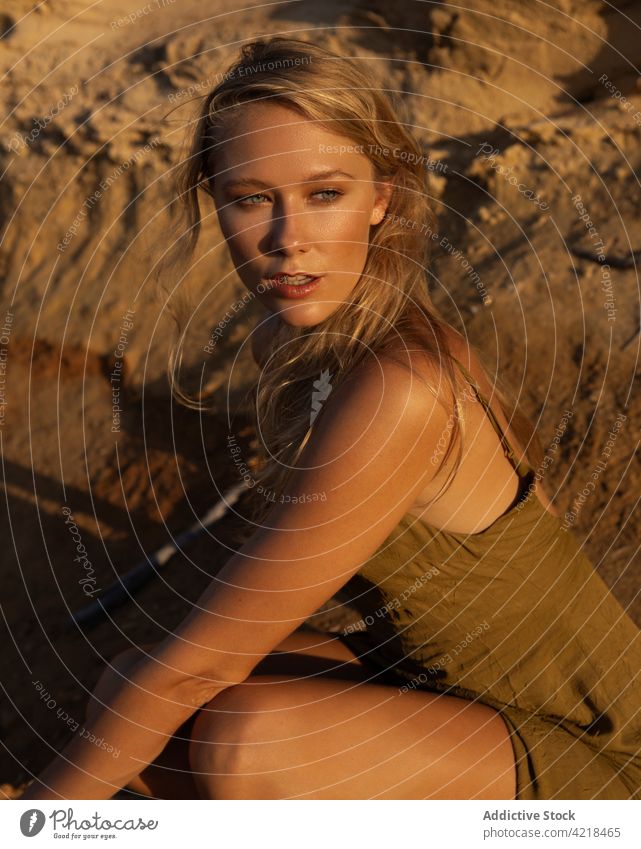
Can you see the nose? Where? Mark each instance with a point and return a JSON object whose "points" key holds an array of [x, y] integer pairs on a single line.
{"points": [[289, 231]]}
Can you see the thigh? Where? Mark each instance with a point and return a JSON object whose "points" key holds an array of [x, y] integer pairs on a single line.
{"points": [[305, 653], [274, 737]]}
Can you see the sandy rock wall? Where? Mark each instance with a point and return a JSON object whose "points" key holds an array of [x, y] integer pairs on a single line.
{"points": [[530, 114]]}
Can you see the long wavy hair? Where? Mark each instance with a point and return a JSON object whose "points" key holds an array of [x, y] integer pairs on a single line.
{"points": [[390, 312]]}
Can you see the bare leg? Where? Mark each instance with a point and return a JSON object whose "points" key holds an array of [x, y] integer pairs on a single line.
{"points": [[304, 653], [320, 738]]}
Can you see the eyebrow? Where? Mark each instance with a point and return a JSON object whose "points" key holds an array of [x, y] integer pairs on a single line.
{"points": [[312, 178]]}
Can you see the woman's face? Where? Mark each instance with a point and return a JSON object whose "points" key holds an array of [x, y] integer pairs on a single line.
{"points": [[280, 215]]}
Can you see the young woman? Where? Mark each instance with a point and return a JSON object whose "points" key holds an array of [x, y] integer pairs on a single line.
{"points": [[491, 661]]}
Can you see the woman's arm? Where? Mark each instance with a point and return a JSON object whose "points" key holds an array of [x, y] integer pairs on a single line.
{"points": [[360, 472], [130, 731]]}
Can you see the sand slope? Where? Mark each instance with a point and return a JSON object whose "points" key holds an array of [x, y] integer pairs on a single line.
{"points": [[88, 141]]}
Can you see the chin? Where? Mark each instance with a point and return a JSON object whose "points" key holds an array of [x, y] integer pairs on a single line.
{"points": [[304, 315]]}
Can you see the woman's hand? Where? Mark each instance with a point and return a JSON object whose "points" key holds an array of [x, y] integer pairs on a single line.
{"points": [[105, 689], [8, 791], [129, 723]]}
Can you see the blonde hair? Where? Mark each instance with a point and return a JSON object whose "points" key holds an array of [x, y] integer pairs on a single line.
{"points": [[390, 307]]}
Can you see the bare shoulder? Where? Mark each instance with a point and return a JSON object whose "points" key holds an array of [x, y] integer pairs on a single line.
{"points": [[397, 393], [366, 458], [380, 423]]}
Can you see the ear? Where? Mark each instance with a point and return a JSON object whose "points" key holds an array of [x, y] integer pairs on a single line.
{"points": [[384, 191]]}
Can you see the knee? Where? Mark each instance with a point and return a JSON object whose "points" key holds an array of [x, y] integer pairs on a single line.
{"points": [[225, 752]]}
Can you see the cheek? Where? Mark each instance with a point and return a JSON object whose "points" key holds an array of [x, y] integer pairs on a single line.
{"points": [[347, 234], [229, 227], [241, 241]]}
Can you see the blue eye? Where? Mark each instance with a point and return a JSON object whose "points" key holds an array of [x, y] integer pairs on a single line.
{"points": [[247, 200], [333, 192]]}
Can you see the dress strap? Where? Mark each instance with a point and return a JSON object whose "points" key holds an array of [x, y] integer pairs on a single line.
{"points": [[522, 467]]}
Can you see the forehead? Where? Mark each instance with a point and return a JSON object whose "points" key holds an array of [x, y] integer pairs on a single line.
{"points": [[264, 140]]}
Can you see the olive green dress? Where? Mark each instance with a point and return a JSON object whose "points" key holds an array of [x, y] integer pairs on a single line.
{"points": [[515, 617]]}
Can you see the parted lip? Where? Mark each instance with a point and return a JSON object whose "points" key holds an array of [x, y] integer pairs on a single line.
{"points": [[290, 274]]}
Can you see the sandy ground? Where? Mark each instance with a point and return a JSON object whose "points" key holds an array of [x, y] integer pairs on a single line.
{"points": [[494, 90]]}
